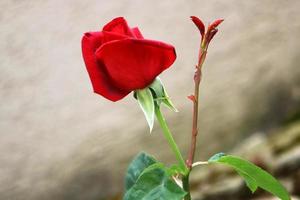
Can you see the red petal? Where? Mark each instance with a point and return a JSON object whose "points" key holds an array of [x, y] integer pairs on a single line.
{"points": [[199, 24], [137, 33], [133, 63], [110, 36], [118, 25], [97, 72]]}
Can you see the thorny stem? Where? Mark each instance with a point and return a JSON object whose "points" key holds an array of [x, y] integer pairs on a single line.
{"points": [[195, 99], [197, 80]]}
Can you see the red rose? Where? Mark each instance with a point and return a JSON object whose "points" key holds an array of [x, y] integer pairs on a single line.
{"points": [[119, 60]]}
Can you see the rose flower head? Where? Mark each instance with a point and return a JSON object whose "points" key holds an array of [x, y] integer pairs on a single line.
{"points": [[119, 60]]}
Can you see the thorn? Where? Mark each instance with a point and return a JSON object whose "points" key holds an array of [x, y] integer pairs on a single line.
{"points": [[192, 98], [195, 132]]}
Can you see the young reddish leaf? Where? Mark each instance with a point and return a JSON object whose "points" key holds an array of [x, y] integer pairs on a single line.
{"points": [[199, 24], [212, 29], [215, 24]]}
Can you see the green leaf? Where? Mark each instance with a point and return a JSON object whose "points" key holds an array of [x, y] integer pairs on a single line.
{"points": [[250, 182], [136, 167], [146, 102], [216, 157], [161, 95], [155, 184], [253, 175]]}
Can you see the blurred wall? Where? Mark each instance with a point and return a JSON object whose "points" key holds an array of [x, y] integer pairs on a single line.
{"points": [[58, 140]]}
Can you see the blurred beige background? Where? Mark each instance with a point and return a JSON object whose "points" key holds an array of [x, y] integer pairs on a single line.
{"points": [[59, 140]]}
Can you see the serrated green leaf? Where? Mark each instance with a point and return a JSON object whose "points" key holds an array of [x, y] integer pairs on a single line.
{"points": [[146, 103], [136, 167], [154, 166], [155, 184], [161, 95], [254, 175]]}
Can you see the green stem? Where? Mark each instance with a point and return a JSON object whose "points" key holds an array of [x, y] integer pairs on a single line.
{"points": [[186, 186], [170, 139]]}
